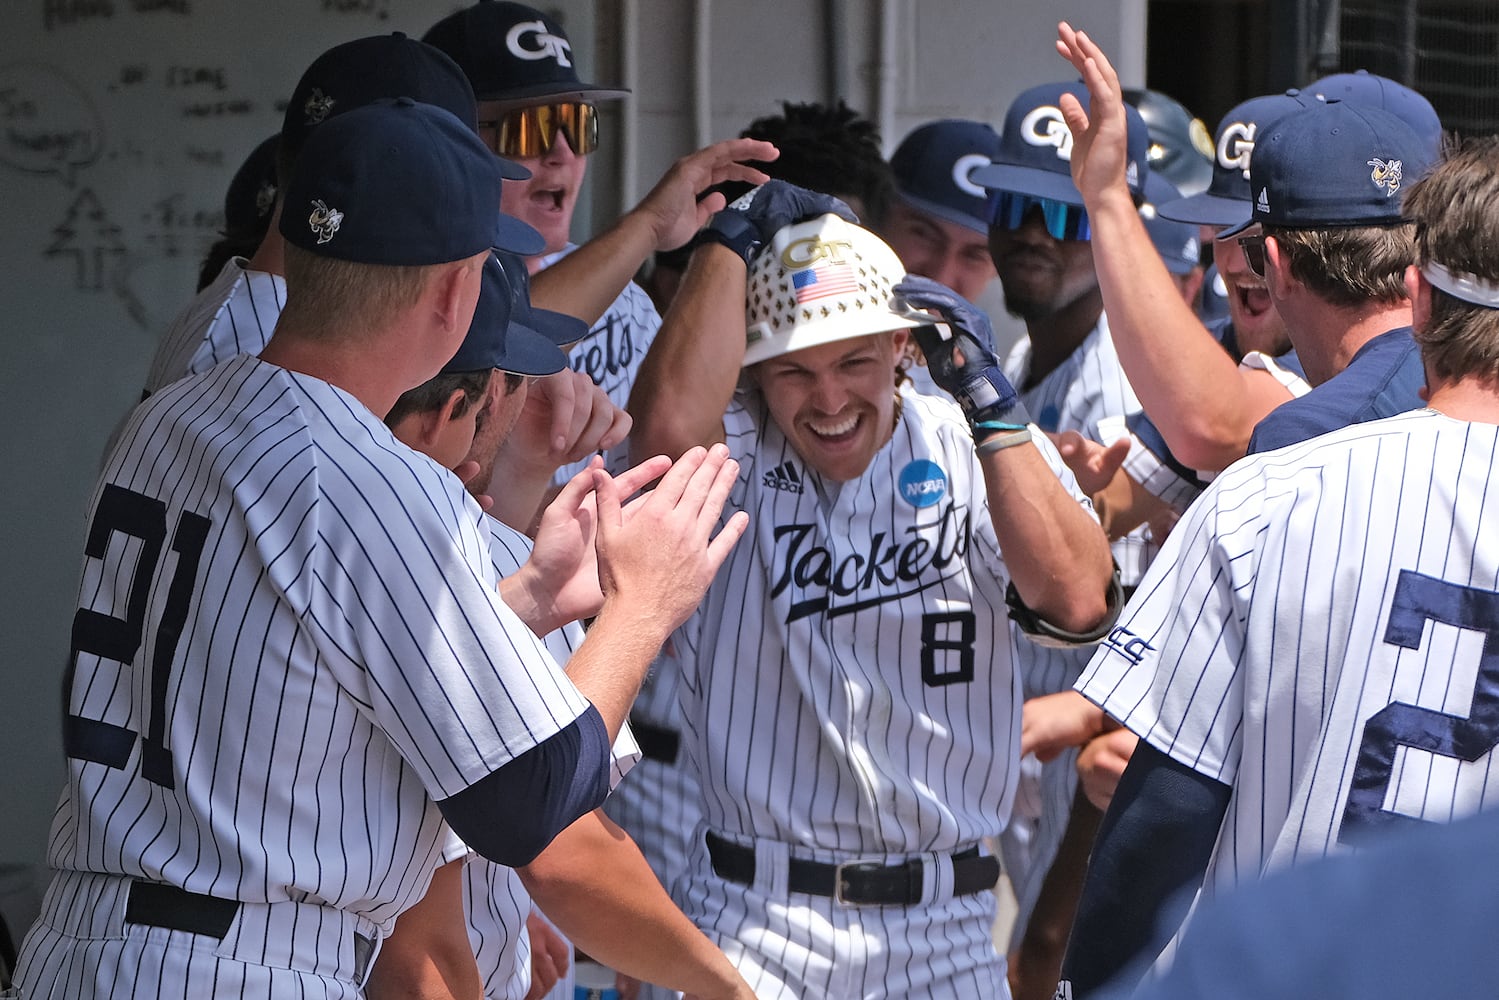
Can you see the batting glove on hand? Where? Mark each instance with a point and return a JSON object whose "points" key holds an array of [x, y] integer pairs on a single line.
{"points": [[749, 222], [981, 389]]}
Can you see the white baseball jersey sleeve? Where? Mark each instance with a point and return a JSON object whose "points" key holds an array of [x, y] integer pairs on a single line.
{"points": [[849, 680], [234, 314], [1320, 634], [289, 644]]}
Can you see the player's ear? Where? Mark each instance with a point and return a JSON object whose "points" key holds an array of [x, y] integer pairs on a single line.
{"points": [[453, 408], [1419, 290], [450, 295], [1277, 265]]}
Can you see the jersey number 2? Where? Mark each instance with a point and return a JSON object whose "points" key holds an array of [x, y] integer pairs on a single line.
{"points": [[1419, 599], [124, 512]]}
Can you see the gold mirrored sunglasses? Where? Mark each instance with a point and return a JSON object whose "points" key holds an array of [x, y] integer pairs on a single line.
{"points": [[531, 131]]}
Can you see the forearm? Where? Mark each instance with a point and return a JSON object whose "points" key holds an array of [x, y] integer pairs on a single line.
{"points": [[1185, 380], [1055, 551], [427, 956], [595, 885], [612, 661], [586, 281], [687, 379], [1154, 843]]}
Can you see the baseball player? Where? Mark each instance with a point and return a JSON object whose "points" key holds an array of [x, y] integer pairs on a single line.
{"points": [[290, 666], [591, 877], [1069, 379], [1282, 721], [849, 687], [535, 111]]}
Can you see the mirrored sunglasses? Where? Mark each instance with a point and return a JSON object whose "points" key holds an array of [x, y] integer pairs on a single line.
{"points": [[1008, 210], [531, 131]]}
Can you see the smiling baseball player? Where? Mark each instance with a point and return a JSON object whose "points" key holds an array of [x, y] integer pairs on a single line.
{"points": [[290, 665], [849, 690]]}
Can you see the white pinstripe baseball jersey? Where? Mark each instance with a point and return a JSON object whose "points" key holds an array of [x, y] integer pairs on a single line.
{"points": [[1320, 635], [612, 352], [848, 682], [235, 314], [289, 643]]}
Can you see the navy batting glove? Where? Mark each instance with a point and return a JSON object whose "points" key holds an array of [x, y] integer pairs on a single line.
{"points": [[981, 389], [750, 222]]}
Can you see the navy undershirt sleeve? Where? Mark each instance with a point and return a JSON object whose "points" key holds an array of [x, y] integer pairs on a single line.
{"points": [[1154, 843], [513, 814]]}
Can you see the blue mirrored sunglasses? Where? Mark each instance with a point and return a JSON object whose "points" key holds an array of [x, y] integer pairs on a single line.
{"points": [[1008, 210]]}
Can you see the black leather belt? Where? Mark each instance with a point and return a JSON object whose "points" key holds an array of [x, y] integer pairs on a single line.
{"points": [[155, 904], [859, 882], [656, 742]]}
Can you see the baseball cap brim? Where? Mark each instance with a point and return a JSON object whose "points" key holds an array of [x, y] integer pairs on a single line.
{"points": [[512, 171], [527, 352], [1239, 229], [1028, 181], [551, 93], [554, 327], [946, 213], [515, 236], [1204, 209]]}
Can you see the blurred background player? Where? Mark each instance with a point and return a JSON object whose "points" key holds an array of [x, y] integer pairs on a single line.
{"points": [[249, 204]]}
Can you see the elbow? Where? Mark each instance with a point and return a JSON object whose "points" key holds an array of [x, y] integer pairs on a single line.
{"points": [[511, 815], [1209, 446]]}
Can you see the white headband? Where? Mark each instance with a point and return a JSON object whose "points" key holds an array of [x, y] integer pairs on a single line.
{"points": [[1468, 287]]}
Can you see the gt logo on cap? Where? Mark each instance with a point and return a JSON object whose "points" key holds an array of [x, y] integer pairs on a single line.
{"points": [[966, 165], [810, 250], [1235, 146], [550, 46], [1045, 126]]}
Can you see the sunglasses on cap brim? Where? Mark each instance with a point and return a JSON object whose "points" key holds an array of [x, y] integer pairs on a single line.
{"points": [[1008, 210], [532, 131]]}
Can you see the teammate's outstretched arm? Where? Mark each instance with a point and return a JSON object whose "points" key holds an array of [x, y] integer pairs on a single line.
{"points": [[1056, 552], [1185, 380], [1153, 845], [586, 281], [594, 883]]}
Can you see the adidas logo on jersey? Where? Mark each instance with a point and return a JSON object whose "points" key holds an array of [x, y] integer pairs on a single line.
{"points": [[784, 477]]}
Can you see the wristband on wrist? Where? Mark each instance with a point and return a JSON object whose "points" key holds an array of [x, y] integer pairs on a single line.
{"points": [[999, 442], [733, 230]]}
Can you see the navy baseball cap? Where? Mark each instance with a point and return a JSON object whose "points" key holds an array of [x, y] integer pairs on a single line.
{"points": [[402, 183], [355, 73], [1227, 197], [1035, 148], [1363, 87], [504, 333], [1176, 242], [511, 52], [252, 192], [1333, 164], [932, 168]]}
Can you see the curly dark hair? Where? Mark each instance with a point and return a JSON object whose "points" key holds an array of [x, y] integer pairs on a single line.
{"points": [[834, 150]]}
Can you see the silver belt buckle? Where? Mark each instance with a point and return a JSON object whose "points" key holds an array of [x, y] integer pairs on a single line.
{"points": [[839, 884]]}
